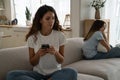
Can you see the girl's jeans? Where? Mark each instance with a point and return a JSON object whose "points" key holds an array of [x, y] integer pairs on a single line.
{"points": [[64, 74], [113, 53]]}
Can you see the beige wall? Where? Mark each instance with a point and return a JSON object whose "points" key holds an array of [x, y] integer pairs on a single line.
{"points": [[75, 18], [79, 11]]}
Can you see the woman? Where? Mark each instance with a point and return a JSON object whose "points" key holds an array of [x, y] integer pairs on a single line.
{"points": [[46, 49], [96, 35]]}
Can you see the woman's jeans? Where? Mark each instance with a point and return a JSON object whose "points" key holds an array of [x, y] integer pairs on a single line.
{"points": [[113, 53], [64, 74]]}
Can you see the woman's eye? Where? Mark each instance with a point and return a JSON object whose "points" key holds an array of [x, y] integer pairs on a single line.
{"points": [[50, 18], [53, 17], [47, 18]]}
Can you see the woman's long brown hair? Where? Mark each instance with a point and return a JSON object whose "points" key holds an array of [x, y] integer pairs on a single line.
{"points": [[95, 27], [36, 26]]}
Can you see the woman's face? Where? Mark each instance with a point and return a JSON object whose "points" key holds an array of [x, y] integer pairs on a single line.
{"points": [[48, 20], [103, 28]]}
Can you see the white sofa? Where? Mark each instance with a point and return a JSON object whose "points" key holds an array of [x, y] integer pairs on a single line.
{"points": [[105, 69]]}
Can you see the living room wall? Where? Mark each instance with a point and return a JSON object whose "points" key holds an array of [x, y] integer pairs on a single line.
{"points": [[80, 10]]}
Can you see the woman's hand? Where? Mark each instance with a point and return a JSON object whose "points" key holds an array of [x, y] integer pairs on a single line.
{"points": [[41, 52], [51, 50], [35, 57], [58, 54]]}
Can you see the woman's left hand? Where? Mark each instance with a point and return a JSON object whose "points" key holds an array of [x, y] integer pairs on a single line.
{"points": [[51, 50]]}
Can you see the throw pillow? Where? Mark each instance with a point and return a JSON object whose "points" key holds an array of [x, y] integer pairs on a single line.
{"points": [[118, 45], [101, 48]]}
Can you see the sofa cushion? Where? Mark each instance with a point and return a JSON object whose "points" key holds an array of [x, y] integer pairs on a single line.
{"points": [[13, 58], [101, 48], [72, 49], [109, 69], [88, 77]]}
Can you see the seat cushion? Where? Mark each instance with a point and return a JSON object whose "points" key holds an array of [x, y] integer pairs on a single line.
{"points": [[88, 77], [109, 69]]}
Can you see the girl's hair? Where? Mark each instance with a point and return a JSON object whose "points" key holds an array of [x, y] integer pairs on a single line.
{"points": [[95, 27], [36, 26]]}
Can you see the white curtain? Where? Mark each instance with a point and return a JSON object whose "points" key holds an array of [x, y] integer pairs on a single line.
{"points": [[112, 13], [62, 8]]}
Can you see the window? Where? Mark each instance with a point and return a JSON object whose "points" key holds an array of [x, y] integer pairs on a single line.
{"points": [[62, 8], [118, 22], [114, 20], [20, 10]]}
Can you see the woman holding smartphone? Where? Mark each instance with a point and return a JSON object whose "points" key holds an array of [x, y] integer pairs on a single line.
{"points": [[46, 61]]}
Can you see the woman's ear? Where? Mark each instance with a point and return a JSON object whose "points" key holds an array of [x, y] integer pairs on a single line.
{"points": [[102, 29], [40, 21]]}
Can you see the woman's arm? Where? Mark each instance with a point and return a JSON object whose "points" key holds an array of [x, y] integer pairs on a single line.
{"points": [[105, 44], [34, 58], [103, 33], [58, 54]]}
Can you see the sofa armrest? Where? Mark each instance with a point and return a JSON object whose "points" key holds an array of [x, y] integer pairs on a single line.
{"points": [[13, 58]]}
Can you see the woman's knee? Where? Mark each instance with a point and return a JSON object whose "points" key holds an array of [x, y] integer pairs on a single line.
{"points": [[65, 74], [13, 74], [70, 71], [10, 75]]}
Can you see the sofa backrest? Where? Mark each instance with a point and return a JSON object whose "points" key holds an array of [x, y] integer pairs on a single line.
{"points": [[13, 58], [73, 50], [18, 57]]}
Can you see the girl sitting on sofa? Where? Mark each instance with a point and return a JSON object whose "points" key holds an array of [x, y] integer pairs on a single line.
{"points": [[95, 36], [46, 49]]}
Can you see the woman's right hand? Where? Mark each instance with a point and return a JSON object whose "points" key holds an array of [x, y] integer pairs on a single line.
{"points": [[35, 57], [41, 52]]}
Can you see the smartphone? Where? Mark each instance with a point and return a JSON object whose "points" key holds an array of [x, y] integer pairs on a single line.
{"points": [[45, 46]]}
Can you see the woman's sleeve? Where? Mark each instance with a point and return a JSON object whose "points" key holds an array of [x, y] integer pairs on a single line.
{"points": [[99, 35], [30, 42], [62, 39]]}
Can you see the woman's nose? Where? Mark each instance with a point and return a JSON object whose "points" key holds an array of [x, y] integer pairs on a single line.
{"points": [[51, 21]]}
